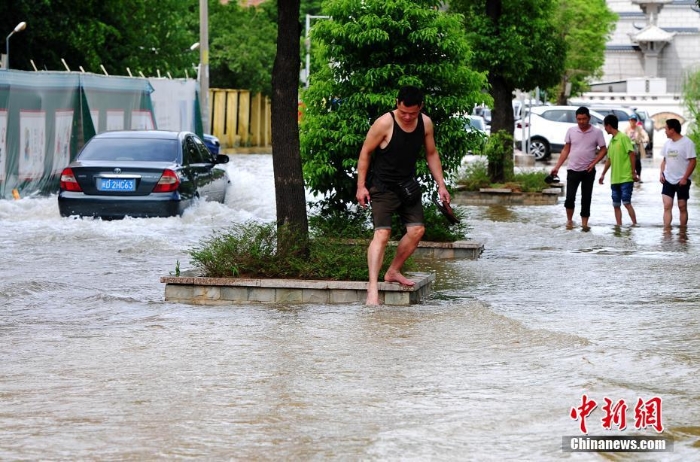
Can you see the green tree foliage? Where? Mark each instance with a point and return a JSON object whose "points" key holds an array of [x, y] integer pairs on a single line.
{"points": [[312, 7], [143, 36], [148, 37], [585, 26], [374, 47], [242, 43], [691, 101], [514, 41]]}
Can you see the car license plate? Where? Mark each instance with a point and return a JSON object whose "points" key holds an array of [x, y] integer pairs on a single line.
{"points": [[116, 184]]}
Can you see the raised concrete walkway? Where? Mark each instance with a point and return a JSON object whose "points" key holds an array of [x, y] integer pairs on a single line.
{"points": [[506, 197]]}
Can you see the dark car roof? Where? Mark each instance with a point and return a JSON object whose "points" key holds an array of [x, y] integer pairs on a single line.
{"points": [[146, 134]]}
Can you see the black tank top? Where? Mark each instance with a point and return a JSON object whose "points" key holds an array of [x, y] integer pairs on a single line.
{"points": [[397, 161]]}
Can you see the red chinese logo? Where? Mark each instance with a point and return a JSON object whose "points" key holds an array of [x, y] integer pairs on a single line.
{"points": [[583, 411], [646, 414], [615, 414]]}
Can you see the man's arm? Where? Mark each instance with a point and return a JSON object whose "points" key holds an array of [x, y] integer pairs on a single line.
{"points": [[375, 136], [601, 153], [662, 167], [433, 159], [633, 165], [605, 170], [688, 171], [562, 158]]}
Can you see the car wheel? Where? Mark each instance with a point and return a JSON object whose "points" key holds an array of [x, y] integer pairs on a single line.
{"points": [[539, 147]]}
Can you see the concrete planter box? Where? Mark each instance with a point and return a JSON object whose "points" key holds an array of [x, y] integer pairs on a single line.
{"points": [[492, 196], [193, 289]]}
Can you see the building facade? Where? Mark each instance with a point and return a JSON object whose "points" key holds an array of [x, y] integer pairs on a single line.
{"points": [[654, 45], [658, 39]]}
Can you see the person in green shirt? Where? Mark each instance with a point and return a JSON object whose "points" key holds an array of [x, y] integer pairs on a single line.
{"points": [[621, 161]]}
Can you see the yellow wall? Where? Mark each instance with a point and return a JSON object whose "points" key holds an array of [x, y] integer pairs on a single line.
{"points": [[240, 119]]}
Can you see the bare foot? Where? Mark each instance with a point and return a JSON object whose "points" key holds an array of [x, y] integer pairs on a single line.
{"points": [[372, 295], [395, 276], [569, 225]]}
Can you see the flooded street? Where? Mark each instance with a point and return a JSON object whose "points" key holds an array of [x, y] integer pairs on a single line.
{"points": [[94, 365]]}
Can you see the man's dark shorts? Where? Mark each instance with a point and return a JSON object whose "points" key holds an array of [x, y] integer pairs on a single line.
{"points": [[671, 190], [385, 204]]}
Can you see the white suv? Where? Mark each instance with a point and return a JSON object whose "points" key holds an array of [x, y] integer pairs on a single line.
{"points": [[547, 126]]}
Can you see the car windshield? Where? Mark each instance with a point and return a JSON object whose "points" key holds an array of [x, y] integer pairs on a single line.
{"points": [[130, 149], [475, 123]]}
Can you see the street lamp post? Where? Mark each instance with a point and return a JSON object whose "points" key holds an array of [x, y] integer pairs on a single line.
{"points": [[17, 28], [307, 42], [204, 63]]}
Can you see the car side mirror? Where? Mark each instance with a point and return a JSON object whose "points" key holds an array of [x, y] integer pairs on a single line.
{"points": [[222, 159]]}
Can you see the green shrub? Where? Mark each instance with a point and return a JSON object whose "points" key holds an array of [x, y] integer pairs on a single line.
{"points": [[475, 176], [531, 181], [251, 250], [369, 67]]}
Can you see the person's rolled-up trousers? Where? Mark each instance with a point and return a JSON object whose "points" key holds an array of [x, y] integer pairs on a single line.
{"points": [[586, 180]]}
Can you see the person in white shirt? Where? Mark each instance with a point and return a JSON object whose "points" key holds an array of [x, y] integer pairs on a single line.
{"points": [[676, 169]]}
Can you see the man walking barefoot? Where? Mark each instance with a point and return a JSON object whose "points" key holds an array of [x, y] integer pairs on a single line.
{"points": [[621, 157], [388, 158], [582, 143], [676, 169]]}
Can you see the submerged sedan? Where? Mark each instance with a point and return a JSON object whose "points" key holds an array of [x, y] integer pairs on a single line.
{"points": [[147, 173]]}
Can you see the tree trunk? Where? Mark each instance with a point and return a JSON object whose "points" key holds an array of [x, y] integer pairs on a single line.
{"points": [[286, 157], [501, 119], [502, 111], [562, 99]]}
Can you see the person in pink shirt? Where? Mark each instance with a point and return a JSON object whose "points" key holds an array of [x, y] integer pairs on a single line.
{"points": [[585, 147]]}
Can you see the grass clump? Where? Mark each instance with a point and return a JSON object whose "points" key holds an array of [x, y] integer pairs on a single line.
{"points": [[251, 250], [476, 176], [531, 181]]}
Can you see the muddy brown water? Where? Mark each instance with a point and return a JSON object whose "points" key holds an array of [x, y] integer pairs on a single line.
{"points": [[94, 365]]}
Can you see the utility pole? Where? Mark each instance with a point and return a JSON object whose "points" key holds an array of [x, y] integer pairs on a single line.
{"points": [[204, 64], [307, 42]]}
